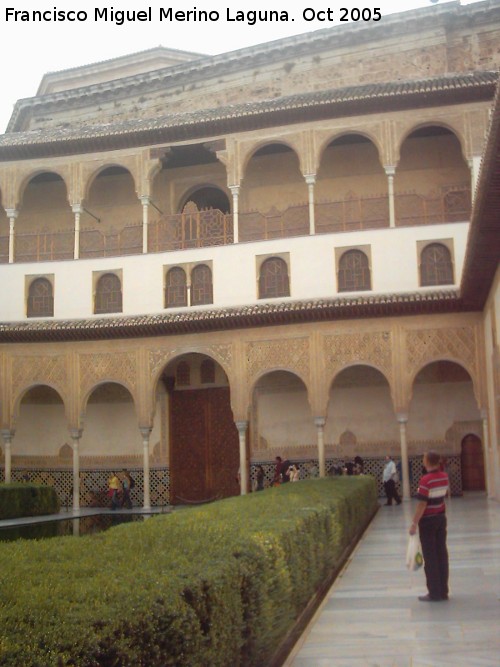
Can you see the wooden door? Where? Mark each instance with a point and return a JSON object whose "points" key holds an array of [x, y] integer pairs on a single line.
{"points": [[204, 449], [472, 464]]}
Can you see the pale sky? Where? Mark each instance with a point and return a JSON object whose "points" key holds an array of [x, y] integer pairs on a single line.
{"points": [[29, 49]]}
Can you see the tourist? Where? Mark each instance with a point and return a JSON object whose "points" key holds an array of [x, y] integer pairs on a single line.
{"points": [[390, 478], [430, 517], [260, 478], [114, 486], [294, 473], [127, 485]]}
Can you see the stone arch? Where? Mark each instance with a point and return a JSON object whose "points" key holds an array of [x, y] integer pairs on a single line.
{"points": [[94, 174], [27, 178], [410, 129], [219, 198], [447, 359], [110, 421], [442, 406], [344, 132], [281, 416], [360, 401], [108, 379], [23, 391], [198, 435], [249, 151], [40, 420]]}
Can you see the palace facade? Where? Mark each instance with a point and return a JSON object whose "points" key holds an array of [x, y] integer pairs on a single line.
{"points": [[291, 249]]}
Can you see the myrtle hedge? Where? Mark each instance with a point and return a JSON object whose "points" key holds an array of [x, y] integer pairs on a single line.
{"points": [[18, 500], [219, 585]]}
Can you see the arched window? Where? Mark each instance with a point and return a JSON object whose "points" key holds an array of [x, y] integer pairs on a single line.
{"points": [[40, 298], [108, 294], [354, 272], [176, 288], [183, 374], [273, 279], [435, 265], [207, 371], [201, 285]]}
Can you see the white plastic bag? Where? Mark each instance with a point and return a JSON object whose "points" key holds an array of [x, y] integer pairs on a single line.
{"points": [[414, 558]]}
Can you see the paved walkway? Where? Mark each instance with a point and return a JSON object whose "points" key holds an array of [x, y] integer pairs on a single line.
{"points": [[371, 616]]}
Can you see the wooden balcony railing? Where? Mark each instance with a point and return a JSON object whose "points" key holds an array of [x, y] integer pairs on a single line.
{"points": [[275, 224], [44, 246], [450, 204], [190, 230], [351, 214], [212, 227], [112, 243]]}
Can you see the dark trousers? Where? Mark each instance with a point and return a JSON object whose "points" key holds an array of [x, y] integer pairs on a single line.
{"points": [[432, 531], [391, 492]]}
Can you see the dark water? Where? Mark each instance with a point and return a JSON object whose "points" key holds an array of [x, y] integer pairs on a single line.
{"points": [[86, 525]]}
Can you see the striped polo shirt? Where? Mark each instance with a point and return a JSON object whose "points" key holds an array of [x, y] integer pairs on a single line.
{"points": [[432, 489]]}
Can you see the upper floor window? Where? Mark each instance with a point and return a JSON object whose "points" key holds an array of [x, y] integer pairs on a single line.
{"points": [[176, 288], [273, 279], [40, 298], [108, 294], [436, 267], [201, 285], [354, 272]]}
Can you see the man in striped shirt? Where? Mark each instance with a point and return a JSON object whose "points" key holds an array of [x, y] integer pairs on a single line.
{"points": [[430, 518]]}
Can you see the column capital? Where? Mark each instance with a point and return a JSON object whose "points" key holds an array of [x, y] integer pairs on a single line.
{"points": [[76, 433], [484, 413], [310, 179], [390, 169], [77, 208], [7, 435], [242, 426], [12, 213], [319, 422], [235, 190], [145, 431], [402, 417], [145, 200]]}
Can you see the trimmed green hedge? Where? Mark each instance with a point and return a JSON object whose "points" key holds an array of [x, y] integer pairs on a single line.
{"points": [[17, 500], [219, 585]]}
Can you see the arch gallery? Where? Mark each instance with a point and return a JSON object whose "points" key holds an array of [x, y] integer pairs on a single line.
{"points": [[294, 252]]}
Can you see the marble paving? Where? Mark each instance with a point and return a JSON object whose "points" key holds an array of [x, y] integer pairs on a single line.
{"points": [[371, 616]]}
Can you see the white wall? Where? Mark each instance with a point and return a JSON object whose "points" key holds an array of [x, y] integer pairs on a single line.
{"points": [[394, 264]]}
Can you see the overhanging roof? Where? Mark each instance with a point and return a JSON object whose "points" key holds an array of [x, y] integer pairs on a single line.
{"points": [[221, 319], [340, 102]]}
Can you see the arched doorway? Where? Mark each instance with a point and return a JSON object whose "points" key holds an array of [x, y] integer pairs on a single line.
{"points": [[203, 439], [472, 460], [41, 428]]}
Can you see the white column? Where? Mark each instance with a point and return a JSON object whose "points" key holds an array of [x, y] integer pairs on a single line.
{"points": [[390, 171], [235, 190], [76, 434], [474, 166], [242, 437], [488, 456], [7, 438], [402, 420], [319, 422], [77, 210], [145, 433], [145, 201], [12, 214], [311, 180]]}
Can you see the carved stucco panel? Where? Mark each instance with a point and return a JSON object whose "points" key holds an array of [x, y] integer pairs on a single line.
{"points": [[222, 353], [49, 370], [111, 367], [427, 345], [292, 353], [374, 348]]}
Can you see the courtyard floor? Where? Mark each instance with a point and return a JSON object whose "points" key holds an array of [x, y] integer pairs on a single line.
{"points": [[371, 616]]}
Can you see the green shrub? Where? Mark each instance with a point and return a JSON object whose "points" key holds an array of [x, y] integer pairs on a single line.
{"points": [[219, 585], [18, 500]]}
